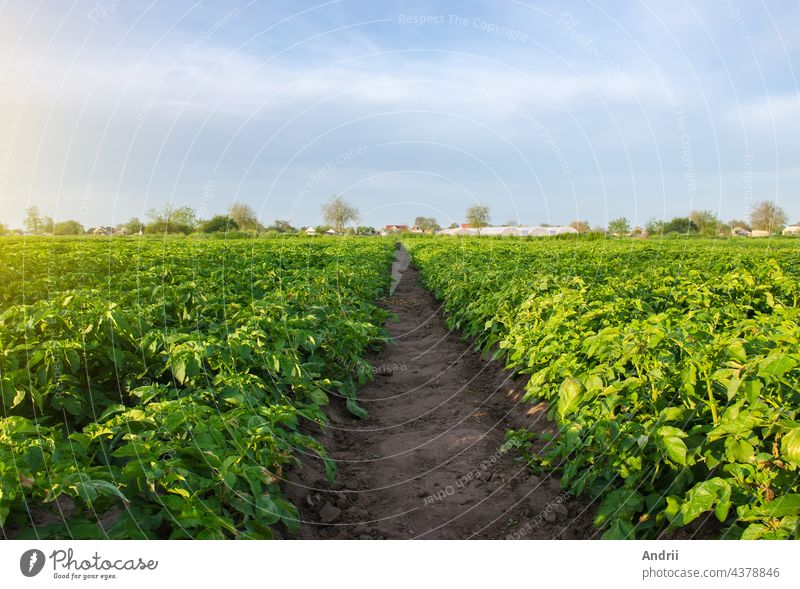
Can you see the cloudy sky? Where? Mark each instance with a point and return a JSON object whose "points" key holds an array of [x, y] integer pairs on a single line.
{"points": [[545, 111]]}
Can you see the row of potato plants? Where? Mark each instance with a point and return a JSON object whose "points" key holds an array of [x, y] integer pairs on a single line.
{"points": [[671, 369], [158, 389]]}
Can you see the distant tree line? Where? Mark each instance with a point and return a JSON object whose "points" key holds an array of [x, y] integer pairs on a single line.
{"points": [[340, 216], [764, 216], [169, 219]]}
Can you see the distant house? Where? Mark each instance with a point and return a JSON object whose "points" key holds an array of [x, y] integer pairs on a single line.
{"points": [[740, 231], [395, 228], [549, 231], [793, 230], [103, 231], [519, 231], [331, 232], [759, 233], [311, 231]]}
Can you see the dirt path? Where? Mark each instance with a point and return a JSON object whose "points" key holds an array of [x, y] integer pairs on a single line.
{"points": [[426, 463]]}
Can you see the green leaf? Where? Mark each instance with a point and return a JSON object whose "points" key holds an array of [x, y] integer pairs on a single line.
{"points": [[776, 365], [594, 383], [739, 450], [790, 447], [669, 439], [569, 395], [131, 450], [89, 490], [179, 369], [619, 504], [740, 426], [19, 397], [319, 396], [117, 356], [754, 532], [737, 352], [330, 469], [703, 497], [179, 491], [111, 410], [356, 409], [781, 506], [267, 511]]}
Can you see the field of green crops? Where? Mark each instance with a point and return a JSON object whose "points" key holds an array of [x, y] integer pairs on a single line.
{"points": [[157, 388], [672, 369]]}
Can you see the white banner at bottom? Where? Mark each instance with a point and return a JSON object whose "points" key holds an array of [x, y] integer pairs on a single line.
{"points": [[379, 564]]}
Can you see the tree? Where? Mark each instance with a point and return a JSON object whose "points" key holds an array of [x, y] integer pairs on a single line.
{"points": [[426, 224], [33, 220], [682, 225], [339, 213], [69, 227], [580, 226], [171, 220], [134, 226], [47, 225], [767, 216], [739, 223], [281, 226], [364, 230], [478, 216], [655, 226], [245, 216], [453, 226], [219, 223], [3, 229], [619, 226], [706, 221]]}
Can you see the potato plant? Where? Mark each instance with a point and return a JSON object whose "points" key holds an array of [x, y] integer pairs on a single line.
{"points": [[670, 368], [158, 389]]}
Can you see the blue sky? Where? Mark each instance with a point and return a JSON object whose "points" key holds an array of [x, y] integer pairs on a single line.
{"points": [[545, 111]]}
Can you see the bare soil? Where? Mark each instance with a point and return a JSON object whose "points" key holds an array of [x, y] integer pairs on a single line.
{"points": [[427, 462]]}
